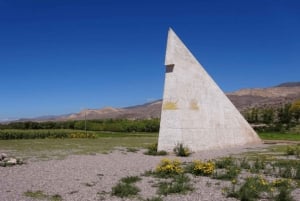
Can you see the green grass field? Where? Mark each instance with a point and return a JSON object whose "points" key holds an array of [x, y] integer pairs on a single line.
{"points": [[46, 149], [279, 136]]}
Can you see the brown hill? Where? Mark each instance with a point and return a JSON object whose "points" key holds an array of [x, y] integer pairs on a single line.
{"points": [[145, 111], [243, 99], [266, 97]]}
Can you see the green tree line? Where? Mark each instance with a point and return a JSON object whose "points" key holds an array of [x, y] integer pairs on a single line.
{"points": [[114, 125], [276, 119]]}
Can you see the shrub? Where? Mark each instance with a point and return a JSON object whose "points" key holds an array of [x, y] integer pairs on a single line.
{"points": [[152, 150], [181, 150], [154, 199], [284, 187], [292, 150], [36, 194], [284, 195], [124, 190], [224, 162], [130, 179], [168, 168], [162, 153], [126, 187], [281, 183], [259, 164], [40, 195], [202, 168], [229, 174], [56, 197], [244, 163], [179, 184], [251, 189], [132, 149], [297, 169], [287, 172]]}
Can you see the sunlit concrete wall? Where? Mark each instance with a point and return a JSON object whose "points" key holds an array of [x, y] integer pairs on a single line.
{"points": [[195, 111]]}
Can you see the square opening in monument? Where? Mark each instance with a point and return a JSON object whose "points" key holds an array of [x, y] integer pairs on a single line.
{"points": [[169, 68]]}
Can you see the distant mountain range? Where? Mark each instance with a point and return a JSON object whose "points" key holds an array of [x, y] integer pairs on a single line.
{"points": [[265, 97], [243, 99]]}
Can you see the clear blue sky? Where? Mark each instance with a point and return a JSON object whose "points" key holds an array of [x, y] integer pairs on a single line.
{"points": [[60, 56]]}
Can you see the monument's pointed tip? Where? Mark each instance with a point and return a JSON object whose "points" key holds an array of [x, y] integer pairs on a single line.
{"points": [[171, 32], [172, 37], [175, 48]]}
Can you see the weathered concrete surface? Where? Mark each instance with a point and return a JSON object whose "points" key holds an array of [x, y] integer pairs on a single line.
{"points": [[195, 110]]}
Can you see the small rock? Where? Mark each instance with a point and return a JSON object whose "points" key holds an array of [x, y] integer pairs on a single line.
{"points": [[3, 156], [12, 161]]}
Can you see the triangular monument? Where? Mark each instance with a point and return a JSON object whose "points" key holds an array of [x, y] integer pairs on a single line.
{"points": [[195, 111]]}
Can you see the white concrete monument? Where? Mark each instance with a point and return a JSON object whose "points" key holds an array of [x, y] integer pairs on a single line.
{"points": [[195, 111]]}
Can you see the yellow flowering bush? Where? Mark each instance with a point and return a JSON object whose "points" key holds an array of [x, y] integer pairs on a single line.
{"points": [[169, 167], [263, 181], [202, 168], [282, 183]]}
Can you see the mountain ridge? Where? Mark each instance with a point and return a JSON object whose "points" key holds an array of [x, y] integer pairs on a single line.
{"points": [[243, 99], [289, 84]]}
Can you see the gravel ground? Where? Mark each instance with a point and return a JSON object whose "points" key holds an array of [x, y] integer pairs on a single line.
{"points": [[91, 177]]}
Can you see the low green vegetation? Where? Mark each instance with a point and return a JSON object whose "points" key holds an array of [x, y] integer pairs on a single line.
{"points": [[229, 173], [293, 150], [126, 187], [154, 199], [130, 179], [132, 149], [172, 177], [181, 150], [226, 169], [13, 134], [111, 125], [250, 189], [271, 174], [47, 149], [40, 195], [225, 162], [265, 175], [279, 136], [257, 187], [124, 190], [253, 176], [36, 194], [179, 184], [152, 150]]}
